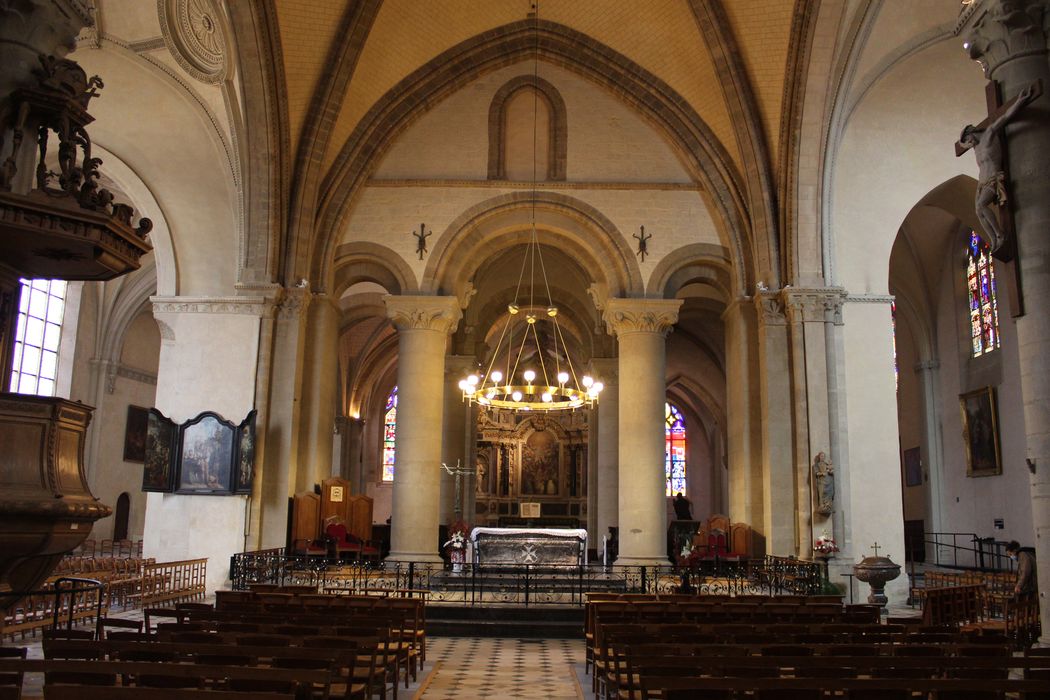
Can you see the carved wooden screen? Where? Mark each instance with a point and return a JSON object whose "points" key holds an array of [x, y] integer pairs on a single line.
{"points": [[335, 495]]}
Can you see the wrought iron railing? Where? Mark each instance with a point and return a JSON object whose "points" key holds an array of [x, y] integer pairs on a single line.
{"points": [[524, 584], [965, 550]]}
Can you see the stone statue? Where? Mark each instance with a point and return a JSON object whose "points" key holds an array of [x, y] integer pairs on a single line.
{"points": [[824, 476], [991, 179], [480, 484]]}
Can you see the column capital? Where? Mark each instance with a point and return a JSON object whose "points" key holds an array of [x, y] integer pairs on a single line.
{"points": [[625, 316], [770, 307], [457, 365], [428, 313], [927, 366], [995, 32], [813, 304]]}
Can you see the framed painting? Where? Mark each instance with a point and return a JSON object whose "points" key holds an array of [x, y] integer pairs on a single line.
{"points": [[912, 467], [158, 468], [244, 473], [135, 434], [981, 432], [206, 455]]}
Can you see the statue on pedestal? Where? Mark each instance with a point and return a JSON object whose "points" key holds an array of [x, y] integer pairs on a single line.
{"points": [[824, 477]]}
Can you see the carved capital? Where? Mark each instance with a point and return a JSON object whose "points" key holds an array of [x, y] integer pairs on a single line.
{"points": [[997, 31], [813, 305], [607, 369], [423, 313], [459, 365], [770, 308], [927, 366], [624, 316]]}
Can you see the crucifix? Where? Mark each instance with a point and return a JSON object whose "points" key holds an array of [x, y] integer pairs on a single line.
{"points": [[421, 241], [993, 173], [459, 472], [643, 240], [876, 548]]}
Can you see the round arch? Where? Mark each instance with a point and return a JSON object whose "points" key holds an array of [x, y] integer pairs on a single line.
{"points": [[584, 232], [361, 261], [557, 140], [697, 262]]}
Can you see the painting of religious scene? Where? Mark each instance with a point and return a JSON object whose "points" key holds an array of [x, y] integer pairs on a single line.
{"points": [[206, 457], [242, 479], [135, 434], [539, 464], [159, 458], [980, 432]]}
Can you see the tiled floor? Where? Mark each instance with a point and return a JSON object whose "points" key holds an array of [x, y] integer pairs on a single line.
{"points": [[473, 667]]}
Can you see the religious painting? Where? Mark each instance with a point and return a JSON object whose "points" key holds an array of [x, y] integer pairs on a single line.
{"points": [[206, 455], [912, 466], [135, 434], [539, 464], [980, 432], [245, 467], [159, 455]]}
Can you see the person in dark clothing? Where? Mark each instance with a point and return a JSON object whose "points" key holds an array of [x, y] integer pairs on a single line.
{"points": [[1027, 584], [683, 507]]}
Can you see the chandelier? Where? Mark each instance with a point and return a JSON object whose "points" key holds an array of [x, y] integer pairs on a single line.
{"points": [[512, 380]]}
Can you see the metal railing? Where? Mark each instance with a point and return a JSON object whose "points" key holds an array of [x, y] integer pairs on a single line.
{"points": [[69, 597], [965, 550], [522, 584]]}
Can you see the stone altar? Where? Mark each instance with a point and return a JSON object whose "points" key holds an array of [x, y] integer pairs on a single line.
{"points": [[493, 546]]}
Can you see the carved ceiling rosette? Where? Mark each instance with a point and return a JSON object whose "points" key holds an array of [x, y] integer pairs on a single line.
{"points": [[641, 315], [196, 35], [424, 313]]}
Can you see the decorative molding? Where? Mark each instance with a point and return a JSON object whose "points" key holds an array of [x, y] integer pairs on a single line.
{"points": [[547, 185], [144, 45], [251, 306], [1002, 31], [424, 313], [927, 366], [624, 316], [870, 298], [196, 36]]}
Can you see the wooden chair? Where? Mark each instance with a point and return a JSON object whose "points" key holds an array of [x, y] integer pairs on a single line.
{"points": [[107, 623], [11, 683]]}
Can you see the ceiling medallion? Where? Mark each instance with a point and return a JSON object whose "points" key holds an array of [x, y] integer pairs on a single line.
{"points": [[195, 34]]}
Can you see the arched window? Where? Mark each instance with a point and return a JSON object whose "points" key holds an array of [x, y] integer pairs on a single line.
{"points": [[35, 366], [674, 453], [389, 430], [984, 308]]}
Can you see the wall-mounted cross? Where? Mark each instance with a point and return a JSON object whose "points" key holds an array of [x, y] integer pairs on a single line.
{"points": [[643, 240], [421, 239]]}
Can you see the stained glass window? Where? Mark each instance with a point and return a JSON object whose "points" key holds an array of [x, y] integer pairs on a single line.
{"points": [[389, 429], [984, 308], [35, 366], [674, 454]]}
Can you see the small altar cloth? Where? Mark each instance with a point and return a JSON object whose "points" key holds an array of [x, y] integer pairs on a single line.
{"points": [[518, 546]]}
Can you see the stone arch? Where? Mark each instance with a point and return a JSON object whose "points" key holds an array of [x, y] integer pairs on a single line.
{"points": [[695, 262], [560, 219], [558, 126], [371, 262], [132, 298], [703, 156]]}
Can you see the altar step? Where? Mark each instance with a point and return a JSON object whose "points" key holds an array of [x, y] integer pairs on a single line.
{"points": [[488, 620]]}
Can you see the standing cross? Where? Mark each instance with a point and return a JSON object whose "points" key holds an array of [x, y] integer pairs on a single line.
{"points": [[458, 472], [876, 548]]}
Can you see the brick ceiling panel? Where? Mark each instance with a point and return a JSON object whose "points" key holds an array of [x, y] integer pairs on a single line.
{"points": [[307, 28], [762, 30]]}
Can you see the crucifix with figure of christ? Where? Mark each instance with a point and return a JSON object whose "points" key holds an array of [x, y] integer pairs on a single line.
{"points": [[992, 202]]}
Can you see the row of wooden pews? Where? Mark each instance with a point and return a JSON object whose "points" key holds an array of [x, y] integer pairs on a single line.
{"points": [[726, 648]]}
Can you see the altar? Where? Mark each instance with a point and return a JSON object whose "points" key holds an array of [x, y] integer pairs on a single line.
{"points": [[517, 546]]}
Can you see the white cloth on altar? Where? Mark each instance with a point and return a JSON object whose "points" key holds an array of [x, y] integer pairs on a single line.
{"points": [[557, 532]]}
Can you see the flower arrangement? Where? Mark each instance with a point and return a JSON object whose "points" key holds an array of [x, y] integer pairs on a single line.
{"points": [[457, 536], [825, 544]]}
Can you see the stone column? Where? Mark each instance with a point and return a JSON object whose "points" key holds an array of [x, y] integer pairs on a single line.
{"points": [[454, 443], [352, 459], [778, 472], [1009, 38], [743, 415], [641, 326], [320, 388], [931, 448], [607, 451], [424, 324]]}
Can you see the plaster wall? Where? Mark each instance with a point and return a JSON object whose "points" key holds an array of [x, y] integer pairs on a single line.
{"points": [[972, 504], [868, 486], [207, 362], [607, 140]]}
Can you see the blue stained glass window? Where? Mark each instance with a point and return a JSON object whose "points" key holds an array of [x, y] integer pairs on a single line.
{"points": [[389, 432], [674, 454], [984, 307]]}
